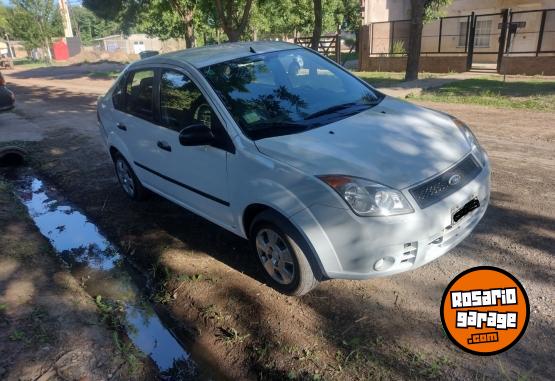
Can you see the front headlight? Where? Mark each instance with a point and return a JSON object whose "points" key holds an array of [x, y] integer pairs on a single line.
{"points": [[477, 149], [367, 198]]}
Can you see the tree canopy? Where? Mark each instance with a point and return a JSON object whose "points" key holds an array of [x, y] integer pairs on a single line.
{"points": [[88, 26], [238, 19], [36, 22]]}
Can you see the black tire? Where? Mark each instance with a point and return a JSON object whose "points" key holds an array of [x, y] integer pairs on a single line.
{"points": [[303, 279], [129, 183]]}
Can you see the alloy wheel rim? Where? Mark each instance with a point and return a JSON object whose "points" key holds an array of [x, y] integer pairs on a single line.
{"points": [[275, 256], [125, 178]]}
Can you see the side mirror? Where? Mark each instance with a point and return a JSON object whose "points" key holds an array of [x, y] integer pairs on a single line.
{"points": [[197, 134]]}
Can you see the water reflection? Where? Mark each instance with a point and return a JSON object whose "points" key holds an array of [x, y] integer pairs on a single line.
{"points": [[103, 271]]}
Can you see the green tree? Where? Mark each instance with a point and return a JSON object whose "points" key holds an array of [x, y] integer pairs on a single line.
{"points": [[352, 18], [164, 19], [285, 17], [317, 26], [421, 10], [36, 22], [233, 16], [290, 17], [123, 12], [5, 15], [167, 19], [88, 26]]}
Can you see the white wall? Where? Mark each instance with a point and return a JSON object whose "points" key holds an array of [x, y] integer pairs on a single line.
{"points": [[389, 10]]}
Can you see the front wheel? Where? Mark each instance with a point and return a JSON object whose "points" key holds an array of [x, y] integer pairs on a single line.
{"points": [[277, 244]]}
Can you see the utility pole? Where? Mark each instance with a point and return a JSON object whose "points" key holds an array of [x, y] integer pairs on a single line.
{"points": [[9, 45], [64, 11]]}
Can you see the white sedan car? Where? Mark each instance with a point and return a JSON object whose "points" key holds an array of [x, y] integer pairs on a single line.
{"points": [[326, 176]]}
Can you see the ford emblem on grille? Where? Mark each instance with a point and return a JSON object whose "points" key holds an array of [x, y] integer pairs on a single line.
{"points": [[454, 180]]}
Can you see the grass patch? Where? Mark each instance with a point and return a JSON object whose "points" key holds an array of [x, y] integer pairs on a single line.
{"points": [[111, 313], [128, 352], [349, 56], [231, 336], [381, 78], [390, 78], [531, 94], [104, 74], [29, 63]]}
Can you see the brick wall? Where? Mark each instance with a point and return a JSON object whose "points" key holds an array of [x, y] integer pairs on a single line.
{"points": [[543, 65], [431, 64]]}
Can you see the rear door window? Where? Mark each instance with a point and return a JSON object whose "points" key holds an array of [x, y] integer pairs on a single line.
{"points": [[118, 95], [138, 94]]}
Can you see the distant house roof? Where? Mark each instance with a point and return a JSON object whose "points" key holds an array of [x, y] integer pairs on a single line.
{"points": [[125, 37], [109, 37]]}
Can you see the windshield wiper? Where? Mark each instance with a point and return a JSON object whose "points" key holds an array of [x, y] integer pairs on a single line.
{"points": [[351, 106]]}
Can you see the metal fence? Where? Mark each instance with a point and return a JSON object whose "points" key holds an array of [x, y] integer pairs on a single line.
{"points": [[533, 32], [329, 46], [520, 32]]}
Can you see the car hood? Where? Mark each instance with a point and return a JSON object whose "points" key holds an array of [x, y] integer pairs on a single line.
{"points": [[394, 143]]}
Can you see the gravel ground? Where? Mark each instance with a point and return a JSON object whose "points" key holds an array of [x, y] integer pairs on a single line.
{"points": [[383, 328]]}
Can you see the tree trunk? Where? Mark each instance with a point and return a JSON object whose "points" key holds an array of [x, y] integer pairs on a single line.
{"points": [[233, 35], [317, 31], [186, 14], [415, 39], [47, 50], [233, 32], [190, 40], [46, 44]]}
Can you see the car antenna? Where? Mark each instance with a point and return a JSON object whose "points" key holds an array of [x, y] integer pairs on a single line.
{"points": [[252, 50]]}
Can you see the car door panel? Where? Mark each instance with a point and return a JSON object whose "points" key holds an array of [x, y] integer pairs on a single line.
{"points": [[136, 124], [195, 175]]}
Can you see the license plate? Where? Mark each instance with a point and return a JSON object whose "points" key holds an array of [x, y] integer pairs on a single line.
{"points": [[467, 208]]}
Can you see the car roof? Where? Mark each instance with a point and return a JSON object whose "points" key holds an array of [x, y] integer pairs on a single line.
{"points": [[211, 54]]}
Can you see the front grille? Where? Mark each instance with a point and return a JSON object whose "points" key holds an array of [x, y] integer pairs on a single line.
{"points": [[438, 188]]}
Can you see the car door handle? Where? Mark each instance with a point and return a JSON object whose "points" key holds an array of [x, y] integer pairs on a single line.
{"points": [[121, 127], [164, 145]]}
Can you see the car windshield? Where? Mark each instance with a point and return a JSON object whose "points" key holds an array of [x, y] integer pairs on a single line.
{"points": [[287, 92]]}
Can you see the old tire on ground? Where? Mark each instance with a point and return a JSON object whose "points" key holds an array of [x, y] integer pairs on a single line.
{"points": [[277, 245], [12, 156], [128, 180]]}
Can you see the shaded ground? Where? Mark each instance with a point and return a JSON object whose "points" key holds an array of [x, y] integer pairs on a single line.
{"points": [[50, 329], [382, 328]]}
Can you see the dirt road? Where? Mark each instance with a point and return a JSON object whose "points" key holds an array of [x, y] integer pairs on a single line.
{"points": [[383, 328]]}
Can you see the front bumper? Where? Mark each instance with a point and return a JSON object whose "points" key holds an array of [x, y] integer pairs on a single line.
{"points": [[350, 247]]}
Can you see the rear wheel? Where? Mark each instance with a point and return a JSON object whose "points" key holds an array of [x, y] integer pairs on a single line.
{"points": [[277, 244], [127, 179]]}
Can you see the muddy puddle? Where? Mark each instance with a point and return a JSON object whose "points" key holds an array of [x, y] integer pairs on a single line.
{"points": [[102, 270]]}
